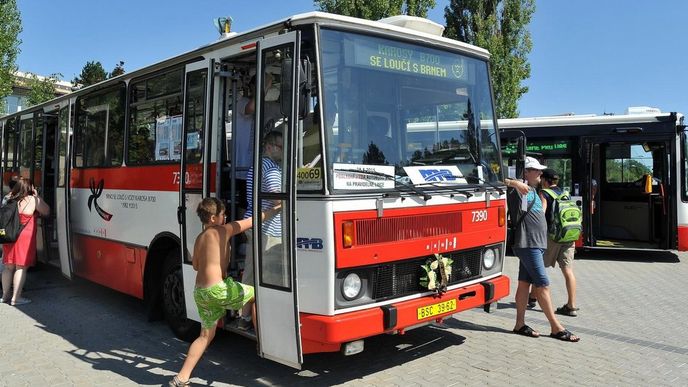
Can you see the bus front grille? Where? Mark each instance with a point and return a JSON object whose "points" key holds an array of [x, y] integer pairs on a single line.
{"points": [[403, 278], [400, 228]]}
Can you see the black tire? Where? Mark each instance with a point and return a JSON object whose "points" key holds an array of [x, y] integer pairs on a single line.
{"points": [[173, 306]]}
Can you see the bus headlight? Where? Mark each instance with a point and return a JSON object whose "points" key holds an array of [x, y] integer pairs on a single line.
{"points": [[489, 258], [351, 286]]}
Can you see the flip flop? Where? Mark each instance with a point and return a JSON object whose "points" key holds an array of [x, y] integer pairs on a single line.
{"points": [[566, 311], [527, 331], [21, 301], [565, 335]]}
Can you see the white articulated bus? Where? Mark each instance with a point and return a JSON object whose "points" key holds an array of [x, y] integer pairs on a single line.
{"points": [[371, 210], [629, 171]]}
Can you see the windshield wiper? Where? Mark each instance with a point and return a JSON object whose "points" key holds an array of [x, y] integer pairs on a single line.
{"points": [[416, 190]]}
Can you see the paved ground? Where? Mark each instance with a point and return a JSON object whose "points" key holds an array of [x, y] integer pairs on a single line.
{"points": [[632, 323]]}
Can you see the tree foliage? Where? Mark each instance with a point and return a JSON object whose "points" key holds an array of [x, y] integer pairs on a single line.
{"points": [[500, 26], [10, 27], [118, 70], [41, 89], [376, 9], [93, 72]]}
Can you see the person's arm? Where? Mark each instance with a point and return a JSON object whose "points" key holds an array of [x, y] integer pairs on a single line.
{"points": [[518, 185], [239, 226], [544, 201], [41, 206]]}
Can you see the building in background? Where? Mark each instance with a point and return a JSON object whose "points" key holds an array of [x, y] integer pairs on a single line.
{"points": [[17, 101]]}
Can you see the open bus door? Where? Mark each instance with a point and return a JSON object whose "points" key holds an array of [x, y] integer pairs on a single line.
{"points": [[193, 187], [61, 210], [48, 178], [275, 270], [626, 191]]}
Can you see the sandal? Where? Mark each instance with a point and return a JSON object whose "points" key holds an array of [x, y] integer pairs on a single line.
{"points": [[176, 382], [565, 335], [565, 310], [527, 331], [21, 301]]}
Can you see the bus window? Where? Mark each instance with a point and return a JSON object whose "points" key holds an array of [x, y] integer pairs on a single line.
{"points": [[25, 147], [155, 120], [99, 128], [195, 116], [626, 163], [563, 168]]}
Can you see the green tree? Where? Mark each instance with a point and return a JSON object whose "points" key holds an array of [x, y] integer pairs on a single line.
{"points": [[500, 26], [10, 27], [41, 89], [93, 72], [118, 70], [376, 9]]}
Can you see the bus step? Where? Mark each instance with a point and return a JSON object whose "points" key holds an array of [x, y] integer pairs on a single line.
{"points": [[233, 326]]}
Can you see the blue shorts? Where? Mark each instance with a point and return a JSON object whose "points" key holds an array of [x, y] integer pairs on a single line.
{"points": [[532, 266]]}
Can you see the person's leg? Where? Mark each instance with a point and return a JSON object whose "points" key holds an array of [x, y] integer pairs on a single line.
{"points": [[521, 303], [566, 264], [7, 274], [196, 350], [523, 288], [247, 277], [570, 286], [18, 283]]}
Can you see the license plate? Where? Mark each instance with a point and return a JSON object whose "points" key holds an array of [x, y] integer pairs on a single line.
{"points": [[435, 309]]}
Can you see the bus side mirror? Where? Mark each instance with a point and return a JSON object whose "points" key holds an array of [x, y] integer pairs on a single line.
{"points": [[285, 87], [521, 156], [304, 87]]}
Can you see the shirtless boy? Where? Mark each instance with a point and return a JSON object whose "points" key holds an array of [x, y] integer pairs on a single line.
{"points": [[214, 292]]}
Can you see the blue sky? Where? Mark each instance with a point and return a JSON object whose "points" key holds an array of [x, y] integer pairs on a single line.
{"points": [[588, 56]]}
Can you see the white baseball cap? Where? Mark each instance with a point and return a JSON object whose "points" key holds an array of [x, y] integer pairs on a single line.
{"points": [[532, 163]]}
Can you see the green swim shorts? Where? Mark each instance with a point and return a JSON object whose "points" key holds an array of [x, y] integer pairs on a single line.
{"points": [[214, 301]]}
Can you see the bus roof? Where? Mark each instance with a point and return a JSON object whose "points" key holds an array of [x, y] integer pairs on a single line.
{"points": [[587, 119]]}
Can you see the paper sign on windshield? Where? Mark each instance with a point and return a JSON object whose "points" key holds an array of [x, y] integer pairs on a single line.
{"points": [[444, 174], [347, 177]]}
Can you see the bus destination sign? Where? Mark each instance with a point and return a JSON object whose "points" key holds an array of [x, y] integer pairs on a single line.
{"points": [[409, 59]]}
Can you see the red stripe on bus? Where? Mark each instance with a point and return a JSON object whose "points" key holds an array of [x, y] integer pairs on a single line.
{"points": [[328, 333], [146, 178], [415, 232], [109, 263]]}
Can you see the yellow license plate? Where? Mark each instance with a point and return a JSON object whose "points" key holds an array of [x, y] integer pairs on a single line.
{"points": [[435, 309]]}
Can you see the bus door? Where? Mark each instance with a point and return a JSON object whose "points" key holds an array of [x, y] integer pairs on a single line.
{"points": [[631, 203], [194, 170], [61, 164], [279, 335], [48, 169]]}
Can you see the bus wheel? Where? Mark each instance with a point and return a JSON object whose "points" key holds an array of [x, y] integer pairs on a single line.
{"points": [[173, 304]]}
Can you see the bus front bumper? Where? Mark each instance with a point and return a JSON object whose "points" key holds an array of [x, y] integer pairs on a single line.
{"points": [[327, 333]]}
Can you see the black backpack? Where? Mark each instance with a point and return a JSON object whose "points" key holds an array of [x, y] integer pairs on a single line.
{"points": [[10, 225]]}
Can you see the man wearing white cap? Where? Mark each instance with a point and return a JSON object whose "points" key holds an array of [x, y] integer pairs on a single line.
{"points": [[530, 241]]}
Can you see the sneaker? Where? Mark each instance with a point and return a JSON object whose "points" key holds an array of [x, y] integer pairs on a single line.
{"points": [[532, 302], [21, 301]]}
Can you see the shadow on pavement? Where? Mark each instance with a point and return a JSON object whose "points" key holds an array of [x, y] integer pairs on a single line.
{"points": [[110, 332]]}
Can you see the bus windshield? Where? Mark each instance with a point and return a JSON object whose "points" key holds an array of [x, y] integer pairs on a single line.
{"points": [[405, 110]]}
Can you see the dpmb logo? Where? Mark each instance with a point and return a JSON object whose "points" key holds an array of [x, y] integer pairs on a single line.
{"points": [[437, 175]]}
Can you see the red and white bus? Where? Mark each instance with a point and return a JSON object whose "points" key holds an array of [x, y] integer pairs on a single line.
{"points": [[366, 201], [629, 172]]}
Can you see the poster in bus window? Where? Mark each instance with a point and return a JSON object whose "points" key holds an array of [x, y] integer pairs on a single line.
{"points": [[162, 139], [176, 137]]}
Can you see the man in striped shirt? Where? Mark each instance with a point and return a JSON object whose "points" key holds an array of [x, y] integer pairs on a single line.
{"points": [[272, 229]]}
